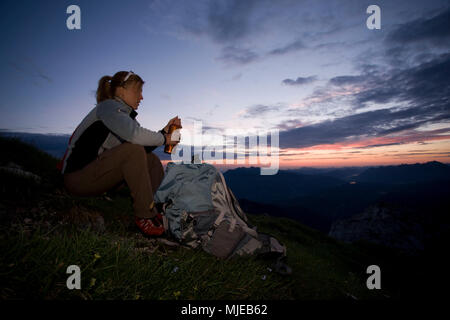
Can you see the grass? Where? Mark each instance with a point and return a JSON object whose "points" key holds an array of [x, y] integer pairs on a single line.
{"points": [[114, 267], [44, 230], [125, 265]]}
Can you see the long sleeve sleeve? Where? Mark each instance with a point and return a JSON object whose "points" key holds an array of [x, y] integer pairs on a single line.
{"points": [[116, 117]]}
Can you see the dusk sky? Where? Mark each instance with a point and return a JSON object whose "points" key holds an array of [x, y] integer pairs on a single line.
{"points": [[339, 93]]}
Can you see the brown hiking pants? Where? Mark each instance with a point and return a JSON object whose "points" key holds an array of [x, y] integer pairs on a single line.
{"points": [[142, 172]]}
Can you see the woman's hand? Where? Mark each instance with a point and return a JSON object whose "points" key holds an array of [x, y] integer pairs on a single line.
{"points": [[176, 121]]}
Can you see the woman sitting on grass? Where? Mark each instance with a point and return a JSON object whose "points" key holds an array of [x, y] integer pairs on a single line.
{"points": [[110, 147]]}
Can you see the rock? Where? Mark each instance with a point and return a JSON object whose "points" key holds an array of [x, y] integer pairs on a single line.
{"points": [[85, 219], [17, 170], [99, 223], [384, 226], [168, 243]]}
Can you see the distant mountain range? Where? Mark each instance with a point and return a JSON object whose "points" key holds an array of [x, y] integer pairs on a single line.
{"points": [[275, 189], [53, 144], [406, 173], [318, 200], [345, 173]]}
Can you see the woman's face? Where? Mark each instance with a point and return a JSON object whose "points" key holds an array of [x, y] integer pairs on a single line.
{"points": [[131, 94]]}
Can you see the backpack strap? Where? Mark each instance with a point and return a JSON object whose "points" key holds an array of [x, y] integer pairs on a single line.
{"points": [[232, 225], [231, 200]]}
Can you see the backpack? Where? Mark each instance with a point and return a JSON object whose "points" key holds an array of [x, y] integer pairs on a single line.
{"points": [[199, 210]]}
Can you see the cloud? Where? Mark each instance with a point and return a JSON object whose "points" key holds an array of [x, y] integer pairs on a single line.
{"points": [[413, 95], [194, 118], [224, 22], [245, 30], [434, 154], [419, 95], [299, 81], [237, 56], [291, 47], [27, 67], [165, 96], [206, 128], [209, 128], [292, 154], [212, 110], [418, 41], [237, 77], [380, 145], [258, 111], [386, 98], [425, 84], [254, 25], [229, 21], [233, 54], [359, 126], [435, 29], [289, 124], [346, 80]]}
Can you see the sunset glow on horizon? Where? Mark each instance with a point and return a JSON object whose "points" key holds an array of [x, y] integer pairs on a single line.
{"points": [[352, 155]]}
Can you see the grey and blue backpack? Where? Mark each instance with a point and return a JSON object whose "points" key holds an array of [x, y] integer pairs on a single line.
{"points": [[199, 210]]}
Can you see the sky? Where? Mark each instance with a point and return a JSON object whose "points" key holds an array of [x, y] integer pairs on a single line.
{"points": [[337, 92]]}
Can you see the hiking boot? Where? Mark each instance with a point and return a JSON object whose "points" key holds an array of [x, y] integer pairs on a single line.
{"points": [[150, 226]]}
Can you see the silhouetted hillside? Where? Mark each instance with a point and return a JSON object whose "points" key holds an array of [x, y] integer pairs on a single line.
{"points": [[56, 144], [319, 204], [406, 173], [345, 173], [276, 189], [53, 144]]}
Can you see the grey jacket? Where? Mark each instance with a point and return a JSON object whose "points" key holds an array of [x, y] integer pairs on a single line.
{"points": [[110, 123]]}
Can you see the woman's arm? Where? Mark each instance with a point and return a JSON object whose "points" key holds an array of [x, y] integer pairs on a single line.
{"points": [[116, 118]]}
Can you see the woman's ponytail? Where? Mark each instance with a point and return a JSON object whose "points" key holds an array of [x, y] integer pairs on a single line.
{"points": [[104, 91]]}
